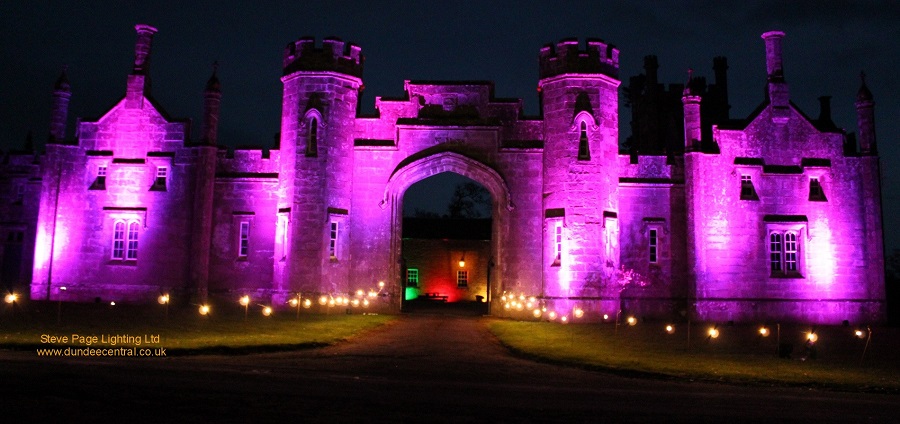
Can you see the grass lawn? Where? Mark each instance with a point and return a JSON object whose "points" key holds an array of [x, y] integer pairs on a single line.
{"points": [[738, 355], [184, 331]]}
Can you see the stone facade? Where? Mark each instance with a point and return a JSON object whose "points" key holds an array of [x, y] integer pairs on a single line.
{"points": [[773, 217]]}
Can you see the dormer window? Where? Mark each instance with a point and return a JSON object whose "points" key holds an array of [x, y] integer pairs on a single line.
{"points": [[312, 138], [159, 184], [815, 191], [584, 151], [747, 190], [100, 181]]}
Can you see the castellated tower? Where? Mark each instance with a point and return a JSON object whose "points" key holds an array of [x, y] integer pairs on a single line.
{"points": [[321, 92], [579, 90]]}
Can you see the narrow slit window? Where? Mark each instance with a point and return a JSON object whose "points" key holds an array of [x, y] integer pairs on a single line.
{"points": [[333, 240], [312, 139], [245, 239], [412, 277], [654, 246], [584, 151], [558, 242]]}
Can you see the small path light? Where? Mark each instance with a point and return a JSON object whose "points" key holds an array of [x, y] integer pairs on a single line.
{"points": [[763, 331], [245, 302], [670, 328], [11, 298], [868, 335], [713, 333], [632, 321], [267, 311], [204, 310]]}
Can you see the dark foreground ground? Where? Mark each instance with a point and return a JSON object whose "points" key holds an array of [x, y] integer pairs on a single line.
{"points": [[423, 368]]}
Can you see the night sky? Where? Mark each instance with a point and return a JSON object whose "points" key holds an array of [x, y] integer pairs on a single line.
{"points": [[826, 46]]}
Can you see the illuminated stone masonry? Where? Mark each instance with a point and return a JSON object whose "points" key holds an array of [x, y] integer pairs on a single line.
{"points": [[772, 217]]}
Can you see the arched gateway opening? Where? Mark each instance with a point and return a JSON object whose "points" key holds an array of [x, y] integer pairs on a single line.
{"points": [[418, 170], [446, 239]]}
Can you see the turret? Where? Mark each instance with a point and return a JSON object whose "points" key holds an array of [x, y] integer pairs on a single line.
{"points": [[865, 118], [776, 87], [580, 168], [319, 103], [59, 109], [139, 80], [212, 98], [692, 123]]}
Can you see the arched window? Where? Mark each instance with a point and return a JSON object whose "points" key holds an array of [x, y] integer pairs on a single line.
{"points": [[132, 247], [790, 252], [312, 138], [584, 151], [118, 251], [775, 252]]}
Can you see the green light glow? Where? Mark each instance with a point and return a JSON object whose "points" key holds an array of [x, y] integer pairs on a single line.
{"points": [[411, 293]]}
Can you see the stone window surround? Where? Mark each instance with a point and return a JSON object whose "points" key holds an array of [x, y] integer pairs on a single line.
{"points": [[238, 219], [800, 230]]}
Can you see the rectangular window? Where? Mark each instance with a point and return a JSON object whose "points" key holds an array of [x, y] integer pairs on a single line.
{"points": [[118, 251], [20, 193], [747, 190], [245, 239], [462, 278], [790, 252], [284, 236], [654, 246], [132, 246], [775, 252], [159, 184], [815, 191], [558, 242], [333, 240], [412, 277], [99, 182]]}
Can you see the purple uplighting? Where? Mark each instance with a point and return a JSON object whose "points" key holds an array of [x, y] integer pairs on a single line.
{"points": [[776, 216]]}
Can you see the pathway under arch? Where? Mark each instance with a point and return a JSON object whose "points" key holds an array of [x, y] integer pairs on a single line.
{"points": [[410, 173]]}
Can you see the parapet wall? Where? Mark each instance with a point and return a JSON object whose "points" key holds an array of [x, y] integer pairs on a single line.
{"points": [[334, 55], [566, 58]]}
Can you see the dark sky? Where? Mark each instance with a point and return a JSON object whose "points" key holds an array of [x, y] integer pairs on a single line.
{"points": [[828, 43]]}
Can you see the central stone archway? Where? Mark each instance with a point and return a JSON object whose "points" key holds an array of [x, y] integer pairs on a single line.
{"points": [[407, 174]]}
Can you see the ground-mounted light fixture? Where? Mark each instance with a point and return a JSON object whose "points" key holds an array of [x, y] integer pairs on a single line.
{"points": [[812, 337], [632, 321], [245, 302], [713, 333], [163, 299], [670, 328], [11, 298], [204, 310], [267, 311], [763, 331]]}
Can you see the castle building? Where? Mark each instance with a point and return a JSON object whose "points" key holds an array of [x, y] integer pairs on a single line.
{"points": [[772, 217]]}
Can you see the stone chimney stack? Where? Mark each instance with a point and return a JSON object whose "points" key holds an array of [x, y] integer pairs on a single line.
{"points": [[142, 48], [651, 65], [691, 101], [865, 119], [777, 89], [212, 98], [139, 80], [774, 66], [59, 109], [825, 112]]}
